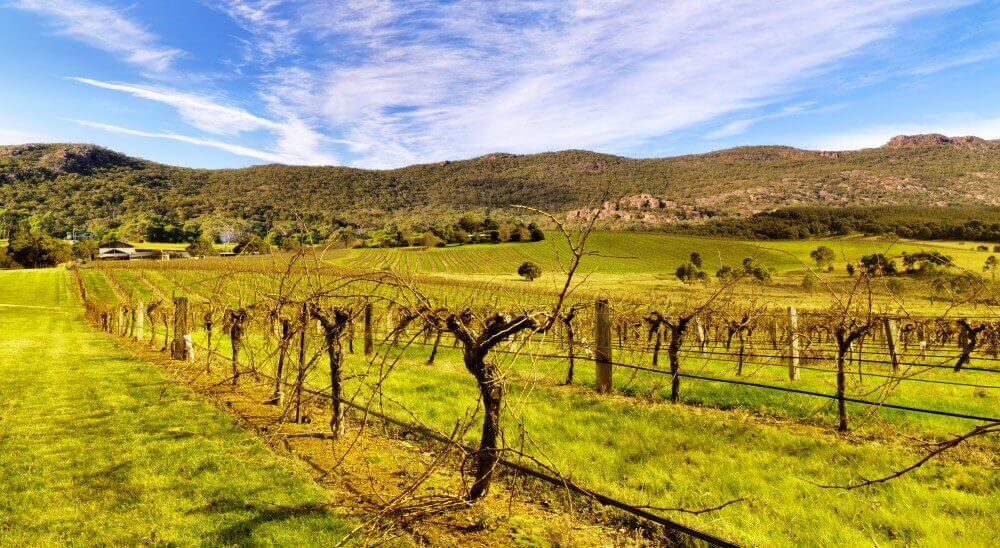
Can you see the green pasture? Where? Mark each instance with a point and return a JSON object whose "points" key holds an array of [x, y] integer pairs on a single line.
{"points": [[97, 447]]}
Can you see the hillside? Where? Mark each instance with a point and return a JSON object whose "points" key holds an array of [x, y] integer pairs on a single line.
{"points": [[87, 186]]}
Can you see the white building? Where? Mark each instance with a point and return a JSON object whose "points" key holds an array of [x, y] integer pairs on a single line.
{"points": [[115, 251]]}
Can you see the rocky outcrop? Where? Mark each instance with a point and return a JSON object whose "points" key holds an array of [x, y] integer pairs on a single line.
{"points": [[81, 159], [939, 140], [641, 208]]}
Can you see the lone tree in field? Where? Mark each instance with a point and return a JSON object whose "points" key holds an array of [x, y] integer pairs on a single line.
{"points": [[823, 256], [529, 271], [696, 259]]}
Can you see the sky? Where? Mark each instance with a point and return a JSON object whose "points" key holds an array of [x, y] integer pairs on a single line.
{"points": [[387, 83]]}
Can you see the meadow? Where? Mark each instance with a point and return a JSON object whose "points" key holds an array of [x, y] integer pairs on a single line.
{"points": [[98, 447]]}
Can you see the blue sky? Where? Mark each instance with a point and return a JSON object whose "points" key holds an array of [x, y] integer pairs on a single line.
{"points": [[386, 83]]}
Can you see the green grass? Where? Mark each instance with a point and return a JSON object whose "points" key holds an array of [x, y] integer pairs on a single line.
{"points": [[652, 452], [629, 263], [97, 447]]}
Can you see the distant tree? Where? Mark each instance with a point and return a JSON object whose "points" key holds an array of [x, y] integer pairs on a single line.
{"points": [[725, 272], [251, 244], [6, 261], [850, 269], [991, 266], [996, 249], [877, 264], [982, 248], [201, 248], [824, 256], [689, 273], [536, 233], [84, 249], [529, 271], [429, 239], [750, 268], [926, 261], [38, 250], [696, 259]]}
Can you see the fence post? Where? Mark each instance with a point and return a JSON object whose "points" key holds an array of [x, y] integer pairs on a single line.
{"points": [[140, 320], [178, 348], [793, 344], [602, 350], [889, 326], [369, 345], [120, 328]]}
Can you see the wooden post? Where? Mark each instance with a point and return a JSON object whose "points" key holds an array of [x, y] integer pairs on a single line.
{"points": [[369, 343], [140, 320], [300, 379], [602, 350], [793, 344], [178, 348], [120, 328], [889, 326]]}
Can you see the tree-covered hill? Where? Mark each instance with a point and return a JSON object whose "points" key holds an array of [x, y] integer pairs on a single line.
{"points": [[56, 187]]}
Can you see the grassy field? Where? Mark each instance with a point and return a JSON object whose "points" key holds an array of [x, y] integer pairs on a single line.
{"points": [[98, 448], [627, 263], [723, 442]]}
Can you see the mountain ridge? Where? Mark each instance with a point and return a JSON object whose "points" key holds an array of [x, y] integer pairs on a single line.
{"points": [[87, 185]]}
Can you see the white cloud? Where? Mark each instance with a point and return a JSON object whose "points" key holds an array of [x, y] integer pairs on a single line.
{"points": [[203, 112], [231, 148], [105, 28], [297, 142], [421, 81], [876, 136]]}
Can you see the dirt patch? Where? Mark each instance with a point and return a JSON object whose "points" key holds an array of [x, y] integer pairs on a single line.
{"points": [[402, 489]]}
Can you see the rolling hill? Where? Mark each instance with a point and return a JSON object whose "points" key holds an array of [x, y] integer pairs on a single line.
{"points": [[72, 185]]}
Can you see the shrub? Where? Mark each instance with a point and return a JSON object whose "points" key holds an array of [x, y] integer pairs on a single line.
{"points": [[201, 248], [529, 270], [250, 245], [690, 273], [809, 283], [877, 264], [6, 261]]}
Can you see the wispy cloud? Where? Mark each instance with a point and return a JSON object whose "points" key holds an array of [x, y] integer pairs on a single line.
{"points": [[296, 141], [228, 147], [409, 81], [736, 127], [105, 28]]}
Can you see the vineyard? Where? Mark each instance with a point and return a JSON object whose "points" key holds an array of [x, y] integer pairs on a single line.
{"points": [[714, 417]]}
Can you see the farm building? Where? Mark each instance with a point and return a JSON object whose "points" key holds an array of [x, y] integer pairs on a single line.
{"points": [[115, 251], [122, 251]]}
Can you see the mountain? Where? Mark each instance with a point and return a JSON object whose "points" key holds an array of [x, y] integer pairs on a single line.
{"points": [[73, 185]]}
